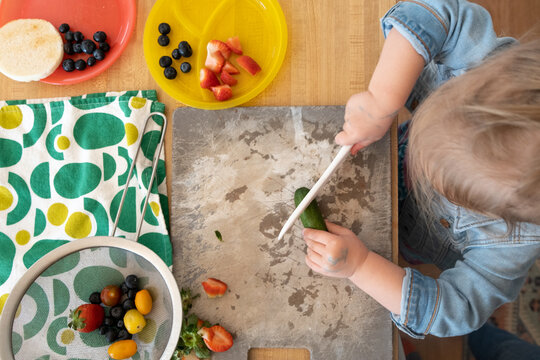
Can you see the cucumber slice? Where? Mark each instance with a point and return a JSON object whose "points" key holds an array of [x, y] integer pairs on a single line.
{"points": [[311, 217]]}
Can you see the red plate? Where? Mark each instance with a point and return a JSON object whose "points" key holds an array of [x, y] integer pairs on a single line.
{"points": [[116, 17]]}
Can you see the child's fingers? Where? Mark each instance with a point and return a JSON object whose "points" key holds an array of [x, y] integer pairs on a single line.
{"points": [[316, 235], [336, 229], [314, 257], [315, 246], [314, 266]]}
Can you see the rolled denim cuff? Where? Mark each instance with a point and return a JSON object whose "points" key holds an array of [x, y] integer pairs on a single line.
{"points": [[419, 24], [420, 297]]}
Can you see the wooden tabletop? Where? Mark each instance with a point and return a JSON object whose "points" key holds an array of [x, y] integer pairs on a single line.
{"points": [[333, 49]]}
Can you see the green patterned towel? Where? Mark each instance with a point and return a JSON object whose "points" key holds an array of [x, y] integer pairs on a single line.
{"points": [[63, 167]]}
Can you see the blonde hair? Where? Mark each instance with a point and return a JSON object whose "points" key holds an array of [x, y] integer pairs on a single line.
{"points": [[476, 139]]}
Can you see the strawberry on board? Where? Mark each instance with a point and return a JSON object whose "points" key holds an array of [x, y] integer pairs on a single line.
{"points": [[221, 93], [86, 318], [228, 67], [216, 338], [227, 78], [214, 61], [217, 46], [234, 45], [208, 79], [248, 64], [214, 287]]}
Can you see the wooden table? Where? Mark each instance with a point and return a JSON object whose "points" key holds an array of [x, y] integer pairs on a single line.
{"points": [[333, 49]]}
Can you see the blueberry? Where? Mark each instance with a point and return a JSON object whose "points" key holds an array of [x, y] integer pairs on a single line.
{"points": [[63, 28], [124, 335], [132, 281], [77, 48], [120, 324], [185, 49], [132, 292], [124, 288], [128, 304], [88, 46], [100, 36], [111, 335], [68, 36], [109, 321], [163, 40], [103, 329], [80, 64], [95, 298], [68, 48], [78, 36], [170, 72], [99, 54], [164, 28], [68, 65], [117, 312], [185, 67], [165, 61], [104, 46], [176, 54], [91, 61]]}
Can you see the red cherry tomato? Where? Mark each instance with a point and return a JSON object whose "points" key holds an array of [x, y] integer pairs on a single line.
{"points": [[110, 295]]}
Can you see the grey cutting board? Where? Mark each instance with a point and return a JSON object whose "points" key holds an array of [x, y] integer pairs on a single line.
{"points": [[235, 171]]}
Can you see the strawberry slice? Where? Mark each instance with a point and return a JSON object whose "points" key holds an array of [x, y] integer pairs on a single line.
{"points": [[214, 287], [234, 45], [228, 67], [215, 46], [226, 78], [208, 79], [221, 93], [214, 61], [216, 338], [248, 64]]}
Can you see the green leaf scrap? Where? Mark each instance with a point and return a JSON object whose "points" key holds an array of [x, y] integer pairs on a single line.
{"points": [[218, 235]]}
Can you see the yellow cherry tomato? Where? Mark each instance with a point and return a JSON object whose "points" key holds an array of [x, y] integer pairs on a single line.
{"points": [[143, 301], [134, 321], [122, 349]]}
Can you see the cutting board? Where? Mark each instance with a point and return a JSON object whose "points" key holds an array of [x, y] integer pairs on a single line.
{"points": [[236, 171]]}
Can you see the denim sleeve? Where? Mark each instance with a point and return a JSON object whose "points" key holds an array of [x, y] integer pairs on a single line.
{"points": [[463, 297], [455, 33]]}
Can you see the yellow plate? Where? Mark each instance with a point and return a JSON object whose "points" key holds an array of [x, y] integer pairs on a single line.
{"points": [[259, 24]]}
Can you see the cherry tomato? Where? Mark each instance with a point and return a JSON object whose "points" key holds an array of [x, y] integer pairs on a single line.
{"points": [[110, 295], [143, 301], [122, 349], [134, 321]]}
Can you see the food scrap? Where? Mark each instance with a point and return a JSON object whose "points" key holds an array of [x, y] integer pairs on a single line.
{"points": [[214, 287], [218, 235]]}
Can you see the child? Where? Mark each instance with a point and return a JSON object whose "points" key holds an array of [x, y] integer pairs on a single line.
{"points": [[474, 167]]}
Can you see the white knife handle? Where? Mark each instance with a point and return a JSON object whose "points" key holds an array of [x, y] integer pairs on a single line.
{"points": [[342, 154]]}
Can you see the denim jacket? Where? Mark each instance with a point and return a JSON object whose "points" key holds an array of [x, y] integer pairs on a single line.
{"points": [[484, 263]]}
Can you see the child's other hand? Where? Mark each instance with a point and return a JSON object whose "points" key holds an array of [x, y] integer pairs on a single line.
{"points": [[366, 121], [336, 253]]}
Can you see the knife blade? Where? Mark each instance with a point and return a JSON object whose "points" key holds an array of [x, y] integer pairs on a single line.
{"points": [[341, 155]]}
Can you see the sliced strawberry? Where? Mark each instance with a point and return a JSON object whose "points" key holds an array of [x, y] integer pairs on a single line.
{"points": [[208, 79], [216, 338], [214, 287], [226, 78], [215, 46], [221, 93], [234, 45], [214, 61], [228, 67], [86, 318], [248, 64]]}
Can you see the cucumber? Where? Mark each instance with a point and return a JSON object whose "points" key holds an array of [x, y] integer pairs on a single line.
{"points": [[311, 217]]}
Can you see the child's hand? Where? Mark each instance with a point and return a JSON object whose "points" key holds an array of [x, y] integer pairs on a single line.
{"points": [[366, 121], [336, 253]]}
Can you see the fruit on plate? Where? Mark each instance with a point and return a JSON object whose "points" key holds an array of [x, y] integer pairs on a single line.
{"points": [[215, 46], [214, 61], [216, 338], [227, 78], [248, 64], [222, 92], [234, 45], [123, 349], [22, 62], [208, 79], [86, 318], [143, 301], [110, 295], [228, 67], [134, 321], [212, 286]]}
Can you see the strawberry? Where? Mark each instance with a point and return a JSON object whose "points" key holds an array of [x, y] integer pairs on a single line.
{"points": [[248, 64], [222, 93], [86, 318], [215, 46], [208, 79], [228, 67], [214, 287], [226, 78], [216, 338], [215, 62], [234, 45]]}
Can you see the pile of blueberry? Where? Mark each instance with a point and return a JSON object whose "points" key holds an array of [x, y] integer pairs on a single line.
{"points": [[183, 50], [75, 43], [113, 327]]}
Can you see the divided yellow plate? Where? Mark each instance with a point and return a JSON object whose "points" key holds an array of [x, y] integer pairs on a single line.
{"points": [[259, 24]]}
